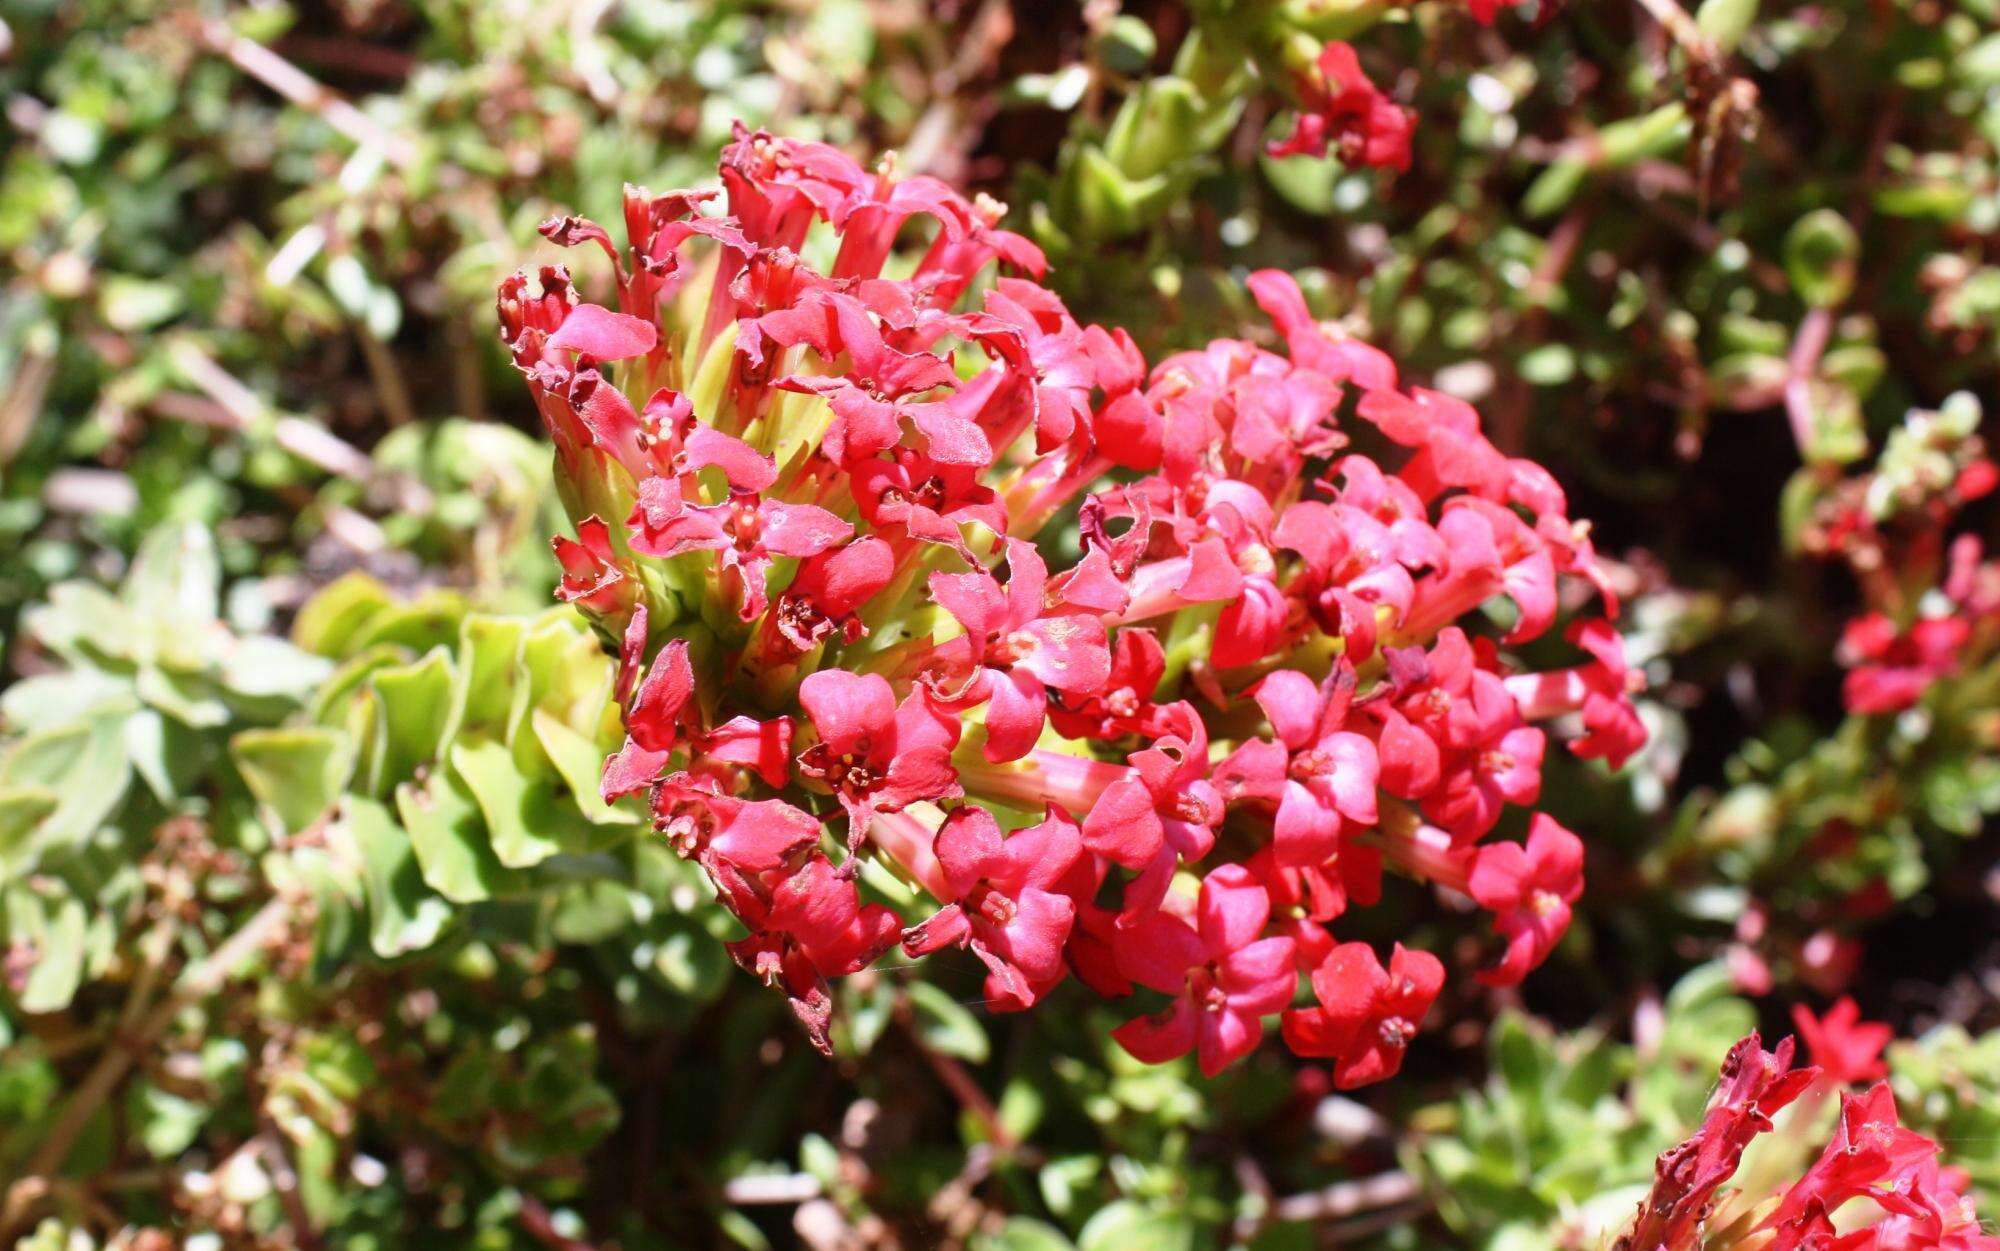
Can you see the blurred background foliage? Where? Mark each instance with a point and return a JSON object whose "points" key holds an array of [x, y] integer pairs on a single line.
{"points": [[311, 932]]}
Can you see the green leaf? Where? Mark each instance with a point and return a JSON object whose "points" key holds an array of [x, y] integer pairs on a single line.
{"points": [[187, 697], [448, 833], [946, 1024], [171, 758], [131, 304], [175, 586], [414, 708], [80, 620], [404, 916], [1554, 188], [432, 621], [1023, 1234], [22, 810], [262, 667], [562, 670], [1126, 1225], [331, 620], [1725, 22], [1821, 254], [484, 693], [1128, 45], [53, 931], [85, 766], [166, 1123], [298, 772], [526, 817], [1657, 134], [580, 763], [50, 700], [1523, 1060]]}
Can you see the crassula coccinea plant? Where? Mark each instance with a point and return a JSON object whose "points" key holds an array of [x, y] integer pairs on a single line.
{"points": [[1876, 1184], [815, 509]]}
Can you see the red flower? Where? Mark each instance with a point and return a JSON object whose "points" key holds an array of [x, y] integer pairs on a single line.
{"points": [[1845, 1047], [1529, 890], [1892, 669], [1006, 901], [1122, 703], [876, 755], [663, 713], [1341, 107], [1016, 646], [1321, 777], [1367, 1015], [1225, 978], [726, 834], [1303, 900], [592, 576], [812, 927], [911, 494], [864, 438], [1162, 813], [823, 598], [1870, 1150], [1755, 1085], [748, 532], [1315, 345]]}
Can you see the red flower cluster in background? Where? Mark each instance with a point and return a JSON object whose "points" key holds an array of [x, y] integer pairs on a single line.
{"points": [[1886, 1182], [1931, 600], [1342, 109], [819, 508]]}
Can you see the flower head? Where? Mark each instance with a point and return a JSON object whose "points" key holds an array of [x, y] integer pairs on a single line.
{"points": [[819, 512]]}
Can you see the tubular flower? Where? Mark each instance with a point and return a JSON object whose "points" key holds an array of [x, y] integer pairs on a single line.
{"points": [[1755, 1086], [807, 508], [1910, 1200]]}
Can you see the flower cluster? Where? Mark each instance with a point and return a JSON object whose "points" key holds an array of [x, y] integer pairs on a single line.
{"points": [[1885, 1182], [1932, 601], [1342, 109], [904, 563]]}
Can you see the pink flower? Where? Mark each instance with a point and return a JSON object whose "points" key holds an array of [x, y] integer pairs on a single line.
{"points": [[663, 713], [1314, 345], [1322, 777], [1892, 669], [1122, 703], [874, 754], [1304, 900], [1600, 690], [1161, 813], [1529, 890], [1366, 1014], [1016, 646], [747, 532], [1224, 977], [908, 494], [864, 438], [823, 598], [746, 836], [1006, 901], [812, 927], [592, 578]]}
